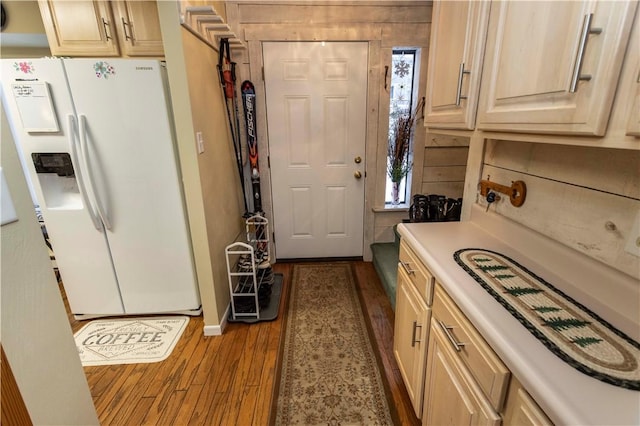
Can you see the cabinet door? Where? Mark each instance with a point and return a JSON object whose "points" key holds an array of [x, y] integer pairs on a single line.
{"points": [[633, 127], [458, 30], [139, 27], [553, 67], [633, 56], [79, 28], [451, 396], [410, 338], [522, 410]]}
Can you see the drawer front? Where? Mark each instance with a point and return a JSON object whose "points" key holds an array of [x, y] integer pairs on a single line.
{"points": [[419, 275], [486, 368]]}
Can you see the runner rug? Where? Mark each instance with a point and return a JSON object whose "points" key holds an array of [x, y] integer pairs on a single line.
{"points": [[329, 374], [129, 341], [568, 329]]}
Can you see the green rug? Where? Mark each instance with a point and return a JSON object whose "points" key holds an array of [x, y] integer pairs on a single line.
{"points": [[329, 373]]}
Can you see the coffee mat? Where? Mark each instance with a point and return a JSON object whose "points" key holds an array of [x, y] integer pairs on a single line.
{"points": [[129, 340]]}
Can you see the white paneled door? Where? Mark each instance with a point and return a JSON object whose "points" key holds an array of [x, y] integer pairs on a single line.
{"points": [[316, 114]]}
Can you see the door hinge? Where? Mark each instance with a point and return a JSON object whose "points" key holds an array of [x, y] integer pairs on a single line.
{"points": [[268, 162], [262, 73], [274, 237]]}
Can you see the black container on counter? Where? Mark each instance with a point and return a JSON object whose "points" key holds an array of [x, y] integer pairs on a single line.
{"points": [[434, 208]]}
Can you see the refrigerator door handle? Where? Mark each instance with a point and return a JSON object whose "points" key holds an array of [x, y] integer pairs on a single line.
{"points": [[73, 142], [83, 150]]}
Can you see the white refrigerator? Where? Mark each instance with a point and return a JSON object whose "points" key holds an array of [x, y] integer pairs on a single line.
{"points": [[97, 144]]}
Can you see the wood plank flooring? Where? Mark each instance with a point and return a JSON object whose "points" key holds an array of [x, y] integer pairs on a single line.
{"points": [[228, 379]]}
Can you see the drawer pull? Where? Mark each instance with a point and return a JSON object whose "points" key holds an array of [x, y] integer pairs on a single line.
{"points": [[461, 74], [446, 329], [105, 24], [584, 35], [413, 336], [406, 268], [125, 24]]}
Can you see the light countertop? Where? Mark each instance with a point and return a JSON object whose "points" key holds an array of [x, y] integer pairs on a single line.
{"points": [[567, 396]]}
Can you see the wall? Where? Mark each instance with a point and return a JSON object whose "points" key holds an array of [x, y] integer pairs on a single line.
{"points": [[218, 174], [445, 164], [384, 24], [24, 34], [574, 194], [35, 330], [210, 180]]}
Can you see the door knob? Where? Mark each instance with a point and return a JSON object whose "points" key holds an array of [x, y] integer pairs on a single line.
{"points": [[357, 160], [357, 174]]}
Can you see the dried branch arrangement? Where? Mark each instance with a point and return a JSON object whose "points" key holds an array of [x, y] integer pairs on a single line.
{"points": [[399, 148]]}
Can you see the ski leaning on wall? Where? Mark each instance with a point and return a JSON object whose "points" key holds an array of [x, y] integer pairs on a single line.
{"points": [[249, 105], [227, 75]]}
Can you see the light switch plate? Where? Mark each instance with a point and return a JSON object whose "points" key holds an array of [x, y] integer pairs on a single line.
{"points": [[7, 211], [633, 239]]}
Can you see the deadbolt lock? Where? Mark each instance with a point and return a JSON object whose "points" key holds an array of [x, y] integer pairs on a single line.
{"points": [[357, 160]]}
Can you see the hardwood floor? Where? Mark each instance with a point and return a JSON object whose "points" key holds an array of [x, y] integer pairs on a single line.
{"points": [[228, 379]]}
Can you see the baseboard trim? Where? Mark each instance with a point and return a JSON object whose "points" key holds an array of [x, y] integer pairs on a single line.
{"points": [[217, 330]]}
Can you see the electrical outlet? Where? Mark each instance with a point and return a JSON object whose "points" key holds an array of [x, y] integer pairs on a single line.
{"points": [[200, 142], [633, 239]]}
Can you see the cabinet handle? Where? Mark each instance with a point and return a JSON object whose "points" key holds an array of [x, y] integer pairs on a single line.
{"points": [[105, 24], [461, 74], [413, 335], [124, 29], [584, 36], [446, 329], [405, 266]]}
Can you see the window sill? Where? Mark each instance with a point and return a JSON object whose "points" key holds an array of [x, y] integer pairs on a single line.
{"points": [[391, 209]]}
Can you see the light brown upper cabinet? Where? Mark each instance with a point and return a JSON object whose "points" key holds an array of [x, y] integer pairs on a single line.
{"points": [[633, 127], [102, 28], [458, 32], [553, 67], [633, 124], [138, 27]]}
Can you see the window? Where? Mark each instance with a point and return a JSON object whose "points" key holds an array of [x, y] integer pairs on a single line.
{"points": [[401, 108]]}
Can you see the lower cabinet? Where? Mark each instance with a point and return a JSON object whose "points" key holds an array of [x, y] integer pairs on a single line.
{"points": [[466, 382], [451, 395], [452, 375], [410, 338], [521, 409]]}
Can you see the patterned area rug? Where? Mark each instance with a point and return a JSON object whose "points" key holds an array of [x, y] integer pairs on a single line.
{"points": [[129, 341], [570, 330], [329, 374]]}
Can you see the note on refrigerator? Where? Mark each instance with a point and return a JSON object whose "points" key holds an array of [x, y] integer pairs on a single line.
{"points": [[35, 106]]}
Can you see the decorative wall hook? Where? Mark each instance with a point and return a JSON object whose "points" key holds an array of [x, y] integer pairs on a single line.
{"points": [[516, 192], [386, 74]]}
